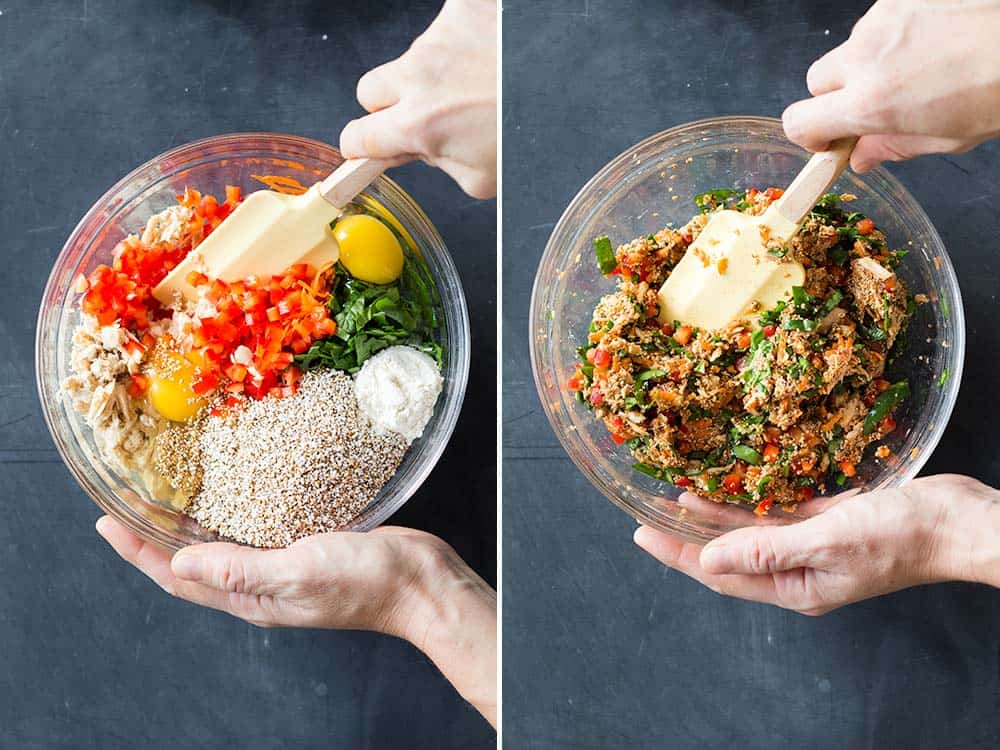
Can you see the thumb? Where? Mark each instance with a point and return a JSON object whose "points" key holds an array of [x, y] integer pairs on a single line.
{"points": [[758, 550], [231, 567]]}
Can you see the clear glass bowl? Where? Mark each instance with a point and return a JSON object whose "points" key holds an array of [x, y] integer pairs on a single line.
{"points": [[209, 165], [651, 185]]}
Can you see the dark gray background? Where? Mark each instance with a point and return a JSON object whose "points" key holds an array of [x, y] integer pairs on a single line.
{"points": [[603, 647], [92, 654]]}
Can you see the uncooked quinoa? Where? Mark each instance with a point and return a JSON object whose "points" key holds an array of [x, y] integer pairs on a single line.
{"points": [[775, 406], [281, 469]]}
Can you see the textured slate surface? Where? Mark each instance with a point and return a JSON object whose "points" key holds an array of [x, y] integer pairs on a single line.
{"points": [[94, 655], [602, 646]]}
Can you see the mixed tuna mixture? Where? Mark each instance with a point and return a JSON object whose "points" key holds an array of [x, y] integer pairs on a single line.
{"points": [[772, 408]]}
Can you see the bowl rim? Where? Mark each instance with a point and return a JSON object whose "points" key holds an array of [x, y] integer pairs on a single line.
{"points": [[680, 527], [459, 340]]}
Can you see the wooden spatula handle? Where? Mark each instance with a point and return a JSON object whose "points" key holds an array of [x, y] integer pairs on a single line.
{"points": [[815, 179], [349, 179]]}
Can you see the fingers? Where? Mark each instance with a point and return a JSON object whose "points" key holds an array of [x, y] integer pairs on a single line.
{"points": [[379, 135], [379, 87], [725, 513], [872, 150], [815, 123], [683, 556], [154, 562], [236, 569], [757, 550], [474, 182], [826, 74]]}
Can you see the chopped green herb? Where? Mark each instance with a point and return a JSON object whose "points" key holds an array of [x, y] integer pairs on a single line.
{"points": [[606, 260], [710, 198], [664, 475], [800, 368], [831, 303], [762, 484], [645, 375], [748, 454], [874, 333], [712, 459], [712, 483], [896, 257], [943, 379], [884, 404], [800, 324], [372, 317], [770, 317], [839, 254], [805, 303]]}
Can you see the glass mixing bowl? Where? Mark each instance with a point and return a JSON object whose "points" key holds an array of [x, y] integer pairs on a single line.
{"points": [[652, 185], [209, 165]]}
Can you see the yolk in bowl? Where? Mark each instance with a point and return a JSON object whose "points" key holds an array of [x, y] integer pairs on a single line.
{"points": [[369, 249], [171, 392]]}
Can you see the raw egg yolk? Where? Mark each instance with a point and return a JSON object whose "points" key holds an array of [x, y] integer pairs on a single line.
{"points": [[170, 387], [369, 249], [383, 213]]}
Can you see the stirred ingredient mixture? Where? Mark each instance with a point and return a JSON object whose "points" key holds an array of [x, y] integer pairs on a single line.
{"points": [[776, 405]]}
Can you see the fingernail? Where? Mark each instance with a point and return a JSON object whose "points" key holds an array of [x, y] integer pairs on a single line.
{"points": [[716, 558], [102, 525], [186, 565]]}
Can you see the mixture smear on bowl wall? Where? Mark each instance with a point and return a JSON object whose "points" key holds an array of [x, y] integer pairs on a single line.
{"points": [[142, 199], [651, 186]]}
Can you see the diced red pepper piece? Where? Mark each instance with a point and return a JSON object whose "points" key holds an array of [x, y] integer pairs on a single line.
{"points": [[733, 483], [763, 506], [206, 383], [602, 358]]}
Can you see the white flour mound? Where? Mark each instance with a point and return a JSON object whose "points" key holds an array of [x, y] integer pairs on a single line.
{"points": [[397, 390]]}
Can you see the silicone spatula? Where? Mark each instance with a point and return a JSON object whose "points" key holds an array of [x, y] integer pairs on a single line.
{"points": [[270, 231], [727, 273]]}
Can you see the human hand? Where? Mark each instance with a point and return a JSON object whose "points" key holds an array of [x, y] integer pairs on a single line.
{"points": [[437, 102], [398, 581], [913, 78], [337, 580], [933, 529]]}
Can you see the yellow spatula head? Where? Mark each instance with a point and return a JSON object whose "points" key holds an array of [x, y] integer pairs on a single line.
{"points": [[727, 273], [265, 235]]}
